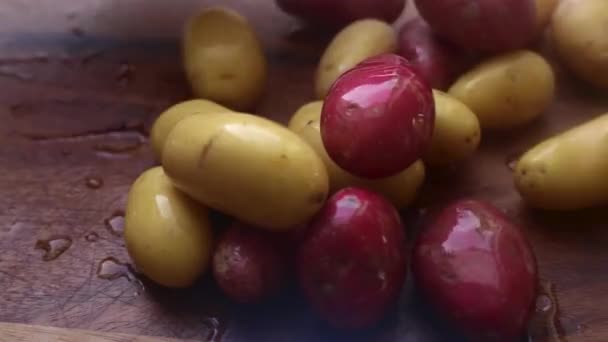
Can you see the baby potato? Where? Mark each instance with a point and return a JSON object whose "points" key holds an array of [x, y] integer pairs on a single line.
{"points": [[400, 189], [167, 234], [247, 167], [456, 134], [508, 90], [223, 59], [170, 117], [580, 38], [356, 42], [568, 171]]}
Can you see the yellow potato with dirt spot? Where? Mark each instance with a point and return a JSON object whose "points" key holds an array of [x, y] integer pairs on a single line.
{"points": [[568, 171], [167, 234], [456, 134], [248, 167], [508, 90], [356, 42], [170, 117], [223, 59], [400, 189]]}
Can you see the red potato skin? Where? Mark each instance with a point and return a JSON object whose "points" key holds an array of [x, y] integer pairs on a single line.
{"points": [[337, 13], [352, 263], [483, 25], [247, 264], [478, 270], [378, 117], [437, 61]]}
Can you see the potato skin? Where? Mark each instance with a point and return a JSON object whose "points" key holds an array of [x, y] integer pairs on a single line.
{"points": [[544, 12], [567, 171], [400, 189], [223, 59], [579, 37], [356, 42], [167, 234], [170, 117], [508, 90], [456, 134], [248, 167], [477, 269]]}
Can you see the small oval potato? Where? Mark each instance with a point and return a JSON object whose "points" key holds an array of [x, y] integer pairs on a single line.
{"points": [[167, 234], [170, 117], [356, 42], [568, 171], [580, 36], [400, 189], [223, 59], [508, 90], [456, 134], [248, 167]]}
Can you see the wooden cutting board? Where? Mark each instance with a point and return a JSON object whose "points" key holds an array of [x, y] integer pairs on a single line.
{"points": [[80, 83]]}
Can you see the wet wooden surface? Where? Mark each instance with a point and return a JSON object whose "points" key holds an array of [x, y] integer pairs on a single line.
{"points": [[80, 83]]}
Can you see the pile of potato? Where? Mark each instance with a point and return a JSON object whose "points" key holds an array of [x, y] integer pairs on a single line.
{"points": [[320, 198]]}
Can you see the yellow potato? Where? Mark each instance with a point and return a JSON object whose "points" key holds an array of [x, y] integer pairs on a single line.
{"points": [[568, 171], [456, 134], [508, 90], [169, 118], [401, 188], [167, 234], [580, 36], [223, 59], [248, 167], [544, 11], [356, 42]]}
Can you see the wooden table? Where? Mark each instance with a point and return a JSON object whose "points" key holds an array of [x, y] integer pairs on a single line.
{"points": [[80, 83]]}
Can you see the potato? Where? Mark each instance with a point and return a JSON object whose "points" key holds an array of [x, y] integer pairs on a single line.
{"points": [[352, 264], [508, 90], [337, 13], [170, 117], [247, 167], [378, 118], [247, 265], [456, 134], [477, 269], [400, 189], [223, 59], [484, 25], [167, 234], [544, 11], [567, 171], [356, 42], [580, 38]]}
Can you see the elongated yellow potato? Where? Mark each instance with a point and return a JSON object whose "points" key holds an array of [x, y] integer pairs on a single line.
{"points": [[223, 59], [248, 167], [356, 42], [167, 234], [568, 171], [170, 117], [507, 90], [456, 134], [400, 189]]}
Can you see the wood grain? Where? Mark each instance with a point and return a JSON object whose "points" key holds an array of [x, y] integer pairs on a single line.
{"points": [[80, 83]]}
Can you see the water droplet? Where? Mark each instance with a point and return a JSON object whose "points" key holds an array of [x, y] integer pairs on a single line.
{"points": [[94, 182], [91, 237], [116, 223], [54, 247], [111, 269], [77, 31], [125, 74], [123, 146], [215, 327], [543, 303], [8, 71]]}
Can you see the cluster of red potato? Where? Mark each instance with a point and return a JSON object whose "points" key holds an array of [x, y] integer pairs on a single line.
{"points": [[322, 196]]}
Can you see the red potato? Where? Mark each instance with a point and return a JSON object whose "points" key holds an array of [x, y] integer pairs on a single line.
{"points": [[378, 117], [484, 25], [438, 62], [478, 270], [247, 264], [336, 13], [352, 263]]}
